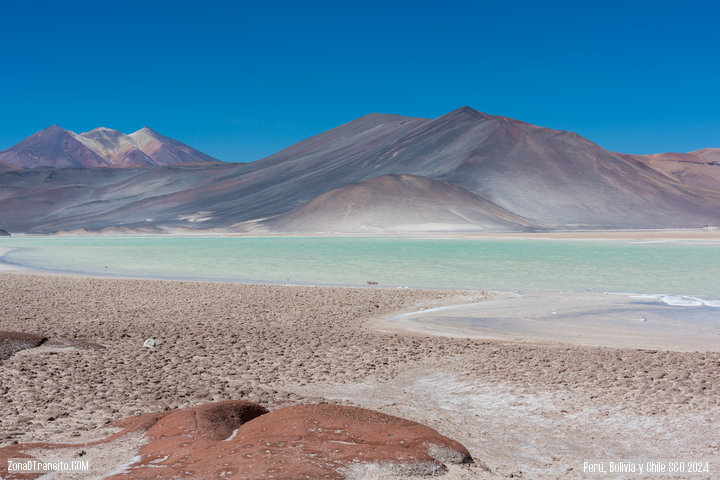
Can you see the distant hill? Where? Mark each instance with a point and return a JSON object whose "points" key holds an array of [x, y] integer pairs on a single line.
{"points": [[709, 154], [398, 203], [700, 168], [102, 147], [464, 171]]}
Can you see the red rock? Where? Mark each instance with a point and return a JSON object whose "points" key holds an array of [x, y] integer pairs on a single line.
{"points": [[325, 441], [239, 440]]}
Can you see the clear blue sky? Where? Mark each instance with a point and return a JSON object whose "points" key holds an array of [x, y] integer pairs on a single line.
{"points": [[242, 80]]}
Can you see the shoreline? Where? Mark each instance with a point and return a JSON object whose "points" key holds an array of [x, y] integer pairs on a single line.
{"points": [[10, 267], [583, 319], [608, 320], [698, 234], [6, 266]]}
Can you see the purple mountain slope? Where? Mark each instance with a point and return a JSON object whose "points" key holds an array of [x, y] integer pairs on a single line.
{"points": [[400, 204], [558, 179], [101, 147], [501, 174], [4, 167]]}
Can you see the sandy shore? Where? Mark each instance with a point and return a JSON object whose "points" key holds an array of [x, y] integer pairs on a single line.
{"points": [[687, 236], [683, 236], [528, 410]]}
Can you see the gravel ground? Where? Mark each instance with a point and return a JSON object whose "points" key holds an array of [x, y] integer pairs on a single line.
{"points": [[531, 411]]}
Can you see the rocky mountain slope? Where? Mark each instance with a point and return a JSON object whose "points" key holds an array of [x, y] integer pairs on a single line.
{"points": [[102, 147], [464, 171]]}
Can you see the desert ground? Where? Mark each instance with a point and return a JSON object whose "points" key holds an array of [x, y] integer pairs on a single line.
{"points": [[522, 409]]}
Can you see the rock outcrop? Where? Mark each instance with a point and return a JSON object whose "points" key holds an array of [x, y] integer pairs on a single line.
{"points": [[236, 439]]}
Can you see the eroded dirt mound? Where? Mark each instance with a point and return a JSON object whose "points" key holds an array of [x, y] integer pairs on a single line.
{"points": [[12, 342], [237, 439]]}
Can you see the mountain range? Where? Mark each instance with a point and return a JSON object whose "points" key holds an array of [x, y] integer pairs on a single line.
{"points": [[102, 147], [463, 171]]}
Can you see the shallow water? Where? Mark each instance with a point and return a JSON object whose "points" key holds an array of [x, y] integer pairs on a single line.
{"points": [[617, 320], [478, 264]]}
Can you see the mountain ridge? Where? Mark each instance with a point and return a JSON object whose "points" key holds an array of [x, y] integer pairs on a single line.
{"points": [[499, 167], [57, 147]]}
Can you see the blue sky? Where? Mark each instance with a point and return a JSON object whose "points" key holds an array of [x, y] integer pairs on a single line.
{"points": [[243, 80]]}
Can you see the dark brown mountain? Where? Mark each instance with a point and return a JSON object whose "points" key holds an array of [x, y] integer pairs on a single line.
{"points": [[101, 147]]}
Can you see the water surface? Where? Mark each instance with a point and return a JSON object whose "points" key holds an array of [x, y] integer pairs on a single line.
{"points": [[478, 264]]}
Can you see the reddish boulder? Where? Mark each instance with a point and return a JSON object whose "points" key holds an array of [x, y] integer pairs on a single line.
{"points": [[239, 440], [330, 441]]}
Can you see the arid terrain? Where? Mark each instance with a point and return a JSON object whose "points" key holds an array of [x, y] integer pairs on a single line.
{"points": [[522, 410]]}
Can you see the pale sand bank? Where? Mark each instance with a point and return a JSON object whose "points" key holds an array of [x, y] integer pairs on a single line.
{"points": [[680, 236], [539, 409], [590, 319], [689, 235]]}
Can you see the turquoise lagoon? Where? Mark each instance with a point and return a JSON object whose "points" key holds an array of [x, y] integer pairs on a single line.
{"points": [[461, 263]]}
